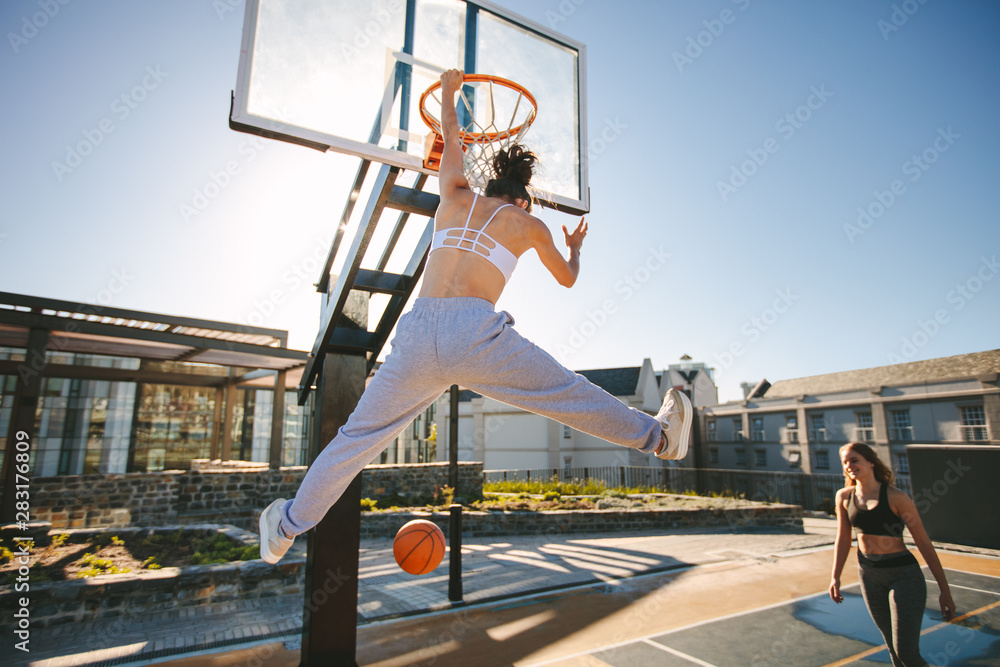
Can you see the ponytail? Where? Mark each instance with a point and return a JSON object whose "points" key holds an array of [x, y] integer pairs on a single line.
{"points": [[513, 168]]}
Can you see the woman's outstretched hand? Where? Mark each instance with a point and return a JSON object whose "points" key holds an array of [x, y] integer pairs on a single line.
{"points": [[575, 240]]}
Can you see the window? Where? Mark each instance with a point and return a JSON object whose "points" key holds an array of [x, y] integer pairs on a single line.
{"points": [[712, 433], [822, 459], [973, 423], [741, 457], [713, 455], [817, 428], [757, 431], [795, 459], [902, 464], [738, 430], [865, 432], [760, 457], [566, 431], [901, 429], [792, 428]]}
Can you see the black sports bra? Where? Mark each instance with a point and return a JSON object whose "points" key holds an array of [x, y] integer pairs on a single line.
{"points": [[879, 521]]}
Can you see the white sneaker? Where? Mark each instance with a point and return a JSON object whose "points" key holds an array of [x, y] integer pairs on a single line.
{"points": [[273, 545], [676, 416]]}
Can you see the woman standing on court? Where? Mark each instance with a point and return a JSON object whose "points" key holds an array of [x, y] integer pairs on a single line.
{"points": [[892, 582], [454, 335]]}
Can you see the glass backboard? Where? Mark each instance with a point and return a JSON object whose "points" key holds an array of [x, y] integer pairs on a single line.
{"points": [[347, 76]]}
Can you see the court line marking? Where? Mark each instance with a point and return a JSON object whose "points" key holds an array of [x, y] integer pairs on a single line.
{"points": [[649, 637], [964, 588], [933, 628], [679, 654], [975, 574]]}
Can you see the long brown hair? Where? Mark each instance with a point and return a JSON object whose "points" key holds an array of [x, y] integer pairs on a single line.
{"points": [[883, 473]]}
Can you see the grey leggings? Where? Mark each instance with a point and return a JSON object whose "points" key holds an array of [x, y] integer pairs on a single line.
{"points": [[895, 596], [461, 341]]}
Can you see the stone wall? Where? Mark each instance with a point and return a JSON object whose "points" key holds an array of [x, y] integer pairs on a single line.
{"points": [[128, 596], [131, 595], [217, 496]]}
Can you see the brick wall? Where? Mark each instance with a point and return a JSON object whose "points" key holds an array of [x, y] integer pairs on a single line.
{"points": [[216, 496]]}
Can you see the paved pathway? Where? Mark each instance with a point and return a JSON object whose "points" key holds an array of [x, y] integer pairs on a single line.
{"points": [[492, 568]]}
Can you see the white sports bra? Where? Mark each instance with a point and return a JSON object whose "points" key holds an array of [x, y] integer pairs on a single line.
{"points": [[477, 241]]}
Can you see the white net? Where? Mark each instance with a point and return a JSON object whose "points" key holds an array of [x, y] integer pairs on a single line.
{"points": [[496, 116]]}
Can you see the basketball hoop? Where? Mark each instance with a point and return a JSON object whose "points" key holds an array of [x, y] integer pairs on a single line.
{"points": [[502, 104]]}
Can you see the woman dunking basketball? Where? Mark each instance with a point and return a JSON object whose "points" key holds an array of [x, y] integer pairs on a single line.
{"points": [[892, 583], [454, 335]]}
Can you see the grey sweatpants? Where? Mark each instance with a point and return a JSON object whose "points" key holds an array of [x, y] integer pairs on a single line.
{"points": [[895, 597], [461, 341]]}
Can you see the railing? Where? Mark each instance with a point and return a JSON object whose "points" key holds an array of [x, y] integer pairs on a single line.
{"points": [[901, 433], [680, 479], [864, 434], [974, 433], [811, 491]]}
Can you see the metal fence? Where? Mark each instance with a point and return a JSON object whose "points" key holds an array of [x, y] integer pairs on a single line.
{"points": [[811, 491]]}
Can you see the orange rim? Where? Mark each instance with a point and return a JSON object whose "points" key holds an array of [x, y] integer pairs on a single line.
{"points": [[473, 137]]}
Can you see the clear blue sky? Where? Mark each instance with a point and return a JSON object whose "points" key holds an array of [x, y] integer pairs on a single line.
{"points": [[744, 138]]}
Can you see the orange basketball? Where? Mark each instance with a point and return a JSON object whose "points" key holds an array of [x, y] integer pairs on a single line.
{"points": [[419, 546]]}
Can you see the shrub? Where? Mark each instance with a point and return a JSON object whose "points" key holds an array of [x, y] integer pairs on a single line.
{"points": [[98, 566]]}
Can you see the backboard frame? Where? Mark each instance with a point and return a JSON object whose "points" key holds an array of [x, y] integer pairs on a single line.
{"points": [[243, 120]]}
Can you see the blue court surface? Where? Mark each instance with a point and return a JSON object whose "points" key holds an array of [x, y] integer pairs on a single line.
{"points": [[811, 632]]}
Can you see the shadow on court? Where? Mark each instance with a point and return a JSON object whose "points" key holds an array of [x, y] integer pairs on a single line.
{"points": [[768, 609]]}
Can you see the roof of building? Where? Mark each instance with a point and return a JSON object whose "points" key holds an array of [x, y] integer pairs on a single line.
{"points": [[615, 381], [89, 329], [914, 372]]}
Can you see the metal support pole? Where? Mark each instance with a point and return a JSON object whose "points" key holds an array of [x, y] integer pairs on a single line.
{"points": [[455, 562], [277, 421], [228, 414], [330, 611], [453, 439]]}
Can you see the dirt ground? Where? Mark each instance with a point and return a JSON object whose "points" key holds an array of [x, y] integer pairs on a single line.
{"points": [[58, 563]]}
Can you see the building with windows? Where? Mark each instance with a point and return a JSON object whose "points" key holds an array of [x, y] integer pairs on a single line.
{"points": [[505, 437], [107, 390], [801, 424]]}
